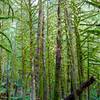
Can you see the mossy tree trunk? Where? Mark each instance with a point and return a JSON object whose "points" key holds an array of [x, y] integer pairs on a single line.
{"points": [[0, 57], [73, 48], [48, 55], [57, 88], [32, 67], [23, 53], [40, 50]]}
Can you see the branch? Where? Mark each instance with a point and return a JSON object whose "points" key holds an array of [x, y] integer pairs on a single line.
{"points": [[81, 89]]}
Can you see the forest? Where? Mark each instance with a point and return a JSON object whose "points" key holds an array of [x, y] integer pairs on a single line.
{"points": [[49, 49]]}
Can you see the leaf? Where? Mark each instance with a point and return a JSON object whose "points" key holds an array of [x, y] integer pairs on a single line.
{"points": [[94, 3], [6, 38], [89, 16], [7, 17], [2, 90], [5, 48], [7, 2], [96, 31]]}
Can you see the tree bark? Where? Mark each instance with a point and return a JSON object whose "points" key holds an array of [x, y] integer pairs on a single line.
{"points": [[73, 48], [57, 88], [33, 94], [0, 57], [48, 55], [23, 54], [40, 54]]}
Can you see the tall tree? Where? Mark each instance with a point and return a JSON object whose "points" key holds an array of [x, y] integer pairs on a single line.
{"points": [[79, 58], [57, 88], [88, 63], [41, 48], [39, 64], [48, 55], [23, 52], [0, 57], [73, 48], [31, 51]]}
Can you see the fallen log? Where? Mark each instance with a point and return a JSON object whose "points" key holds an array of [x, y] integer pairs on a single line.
{"points": [[82, 87]]}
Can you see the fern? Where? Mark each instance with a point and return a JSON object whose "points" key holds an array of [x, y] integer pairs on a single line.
{"points": [[94, 3]]}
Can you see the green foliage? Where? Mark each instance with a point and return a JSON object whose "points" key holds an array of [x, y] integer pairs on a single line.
{"points": [[2, 90], [8, 17], [94, 3], [5, 48], [15, 39], [95, 31], [7, 39]]}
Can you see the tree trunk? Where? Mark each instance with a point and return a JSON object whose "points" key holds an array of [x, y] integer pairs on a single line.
{"points": [[45, 88], [76, 18], [40, 48], [23, 55], [57, 88], [0, 57], [73, 48], [33, 94], [48, 55], [68, 55], [88, 71]]}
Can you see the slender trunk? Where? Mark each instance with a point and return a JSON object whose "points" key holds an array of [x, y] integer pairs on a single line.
{"points": [[57, 88], [41, 55], [37, 68], [23, 56], [7, 80], [45, 88], [79, 57], [48, 56], [0, 57], [88, 72], [31, 53], [33, 94]]}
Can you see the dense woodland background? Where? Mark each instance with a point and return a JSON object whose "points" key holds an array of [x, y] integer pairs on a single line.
{"points": [[48, 48]]}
